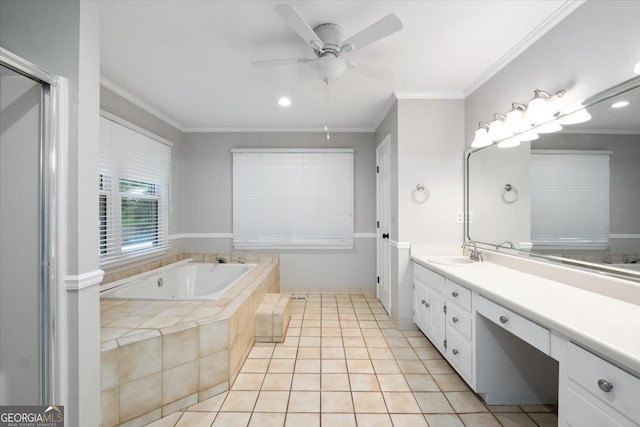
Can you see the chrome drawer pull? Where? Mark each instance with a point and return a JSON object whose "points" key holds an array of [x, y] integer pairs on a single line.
{"points": [[424, 302], [605, 386], [454, 293], [455, 320], [503, 320], [454, 351]]}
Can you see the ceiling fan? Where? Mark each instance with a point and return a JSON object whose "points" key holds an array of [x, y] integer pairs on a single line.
{"points": [[328, 44]]}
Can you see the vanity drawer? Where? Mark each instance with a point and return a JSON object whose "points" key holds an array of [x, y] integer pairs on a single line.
{"points": [[427, 276], [524, 329], [459, 320], [580, 412], [459, 353], [587, 370], [459, 295]]}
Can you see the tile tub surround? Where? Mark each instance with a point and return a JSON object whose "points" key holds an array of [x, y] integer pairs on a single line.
{"points": [[339, 367], [158, 357]]}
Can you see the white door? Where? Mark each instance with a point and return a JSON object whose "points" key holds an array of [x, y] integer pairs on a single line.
{"points": [[383, 209]]}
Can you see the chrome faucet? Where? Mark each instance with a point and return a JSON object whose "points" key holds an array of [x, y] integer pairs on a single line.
{"points": [[475, 254], [506, 242], [221, 260]]}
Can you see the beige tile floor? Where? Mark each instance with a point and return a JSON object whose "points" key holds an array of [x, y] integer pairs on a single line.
{"points": [[344, 364]]}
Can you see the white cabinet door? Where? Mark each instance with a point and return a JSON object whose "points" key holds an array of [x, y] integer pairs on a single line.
{"points": [[436, 319], [419, 305]]}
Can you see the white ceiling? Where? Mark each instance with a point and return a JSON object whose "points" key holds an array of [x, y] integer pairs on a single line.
{"points": [[191, 60]]}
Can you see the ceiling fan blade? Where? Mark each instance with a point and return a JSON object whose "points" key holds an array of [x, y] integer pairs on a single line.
{"points": [[369, 70], [300, 26], [381, 29], [276, 62]]}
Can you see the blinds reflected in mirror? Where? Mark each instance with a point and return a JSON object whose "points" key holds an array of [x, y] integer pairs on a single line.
{"points": [[570, 199]]}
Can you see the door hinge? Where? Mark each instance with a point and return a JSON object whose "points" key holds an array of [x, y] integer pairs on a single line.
{"points": [[377, 224], [444, 309], [377, 169], [378, 278], [445, 344]]}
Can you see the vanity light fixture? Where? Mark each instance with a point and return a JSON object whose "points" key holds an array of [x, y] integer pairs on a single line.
{"points": [[620, 104], [636, 69], [482, 137], [497, 128], [541, 108], [284, 102], [552, 126]]}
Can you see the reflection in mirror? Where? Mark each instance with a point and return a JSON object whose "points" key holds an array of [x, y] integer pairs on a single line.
{"points": [[571, 196]]}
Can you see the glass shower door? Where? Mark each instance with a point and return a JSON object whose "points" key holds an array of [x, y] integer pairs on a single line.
{"points": [[23, 302]]}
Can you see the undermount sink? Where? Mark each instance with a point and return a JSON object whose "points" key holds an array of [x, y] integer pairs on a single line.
{"points": [[454, 260]]}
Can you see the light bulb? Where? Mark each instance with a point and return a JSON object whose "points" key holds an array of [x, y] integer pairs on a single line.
{"points": [[482, 138], [539, 109], [497, 129], [515, 118]]}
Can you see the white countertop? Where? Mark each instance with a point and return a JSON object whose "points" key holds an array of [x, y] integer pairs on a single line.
{"points": [[605, 325]]}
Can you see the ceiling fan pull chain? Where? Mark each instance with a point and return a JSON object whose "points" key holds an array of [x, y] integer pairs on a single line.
{"points": [[326, 109]]}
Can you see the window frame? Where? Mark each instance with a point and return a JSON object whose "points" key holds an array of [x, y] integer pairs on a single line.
{"points": [[112, 247]]}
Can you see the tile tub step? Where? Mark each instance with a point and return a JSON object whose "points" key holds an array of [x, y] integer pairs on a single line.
{"points": [[272, 318]]}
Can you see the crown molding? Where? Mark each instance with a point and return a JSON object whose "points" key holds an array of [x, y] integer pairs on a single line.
{"points": [[561, 13], [307, 129], [429, 95], [388, 106], [139, 103]]}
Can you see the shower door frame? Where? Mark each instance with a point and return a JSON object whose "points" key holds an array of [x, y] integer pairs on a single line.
{"points": [[52, 132]]}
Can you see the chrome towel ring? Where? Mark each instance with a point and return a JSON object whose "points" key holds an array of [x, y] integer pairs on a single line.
{"points": [[420, 190], [509, 189]]}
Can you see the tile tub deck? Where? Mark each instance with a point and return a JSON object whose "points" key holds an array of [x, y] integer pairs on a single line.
{"points": [[158, 357]]}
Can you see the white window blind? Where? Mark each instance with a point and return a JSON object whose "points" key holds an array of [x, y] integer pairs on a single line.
{"points": [[293, 198], [570, 198], [134, 184]]}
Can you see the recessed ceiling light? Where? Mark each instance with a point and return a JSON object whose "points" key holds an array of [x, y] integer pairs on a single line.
{"points": [[620, 104], [284, 102]]}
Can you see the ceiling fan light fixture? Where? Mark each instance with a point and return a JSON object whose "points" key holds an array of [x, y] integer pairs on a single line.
{"points": [[328, 67]]}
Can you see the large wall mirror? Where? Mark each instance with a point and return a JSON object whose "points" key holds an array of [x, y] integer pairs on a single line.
{"points": [[571, 196]]}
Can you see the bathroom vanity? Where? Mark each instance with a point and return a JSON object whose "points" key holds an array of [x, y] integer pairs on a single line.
{"points": [[519, 338]]}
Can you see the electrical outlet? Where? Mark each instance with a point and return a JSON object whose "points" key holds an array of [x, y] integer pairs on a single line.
{"points": [[460, 217]]}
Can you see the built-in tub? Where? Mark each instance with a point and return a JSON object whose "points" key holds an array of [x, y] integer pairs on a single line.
{"points": [[181, 281]]}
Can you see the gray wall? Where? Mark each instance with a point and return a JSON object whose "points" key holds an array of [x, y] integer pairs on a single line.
{"points": [[430, 141], [208, 198], [426, 147], [62, 38], [592, 49]]}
